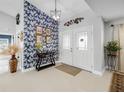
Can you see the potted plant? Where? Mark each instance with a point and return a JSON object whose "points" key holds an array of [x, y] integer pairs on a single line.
{"points": [[12, 50], [112, 47], [38, 46]]}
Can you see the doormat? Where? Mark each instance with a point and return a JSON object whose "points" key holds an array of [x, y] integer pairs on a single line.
{"points": [[117, 82], [69, 69]]}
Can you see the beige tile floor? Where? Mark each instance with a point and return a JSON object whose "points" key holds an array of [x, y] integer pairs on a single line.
{"points": [[51, 79]]}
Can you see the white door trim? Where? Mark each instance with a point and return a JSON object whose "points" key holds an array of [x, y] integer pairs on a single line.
{"points": [[75, 29]]}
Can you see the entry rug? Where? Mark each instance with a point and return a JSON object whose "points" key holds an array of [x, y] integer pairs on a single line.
{"points": [[117, 82], [69, 69]]}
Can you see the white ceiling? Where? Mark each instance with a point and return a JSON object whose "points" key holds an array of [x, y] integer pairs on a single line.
{"points": [[69, 8], [108, 9], [10, 7]]}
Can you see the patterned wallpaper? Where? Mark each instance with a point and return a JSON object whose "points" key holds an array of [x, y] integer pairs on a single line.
{"points": [[33, 17]]}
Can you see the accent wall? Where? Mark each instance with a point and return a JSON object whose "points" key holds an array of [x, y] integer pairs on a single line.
{"points": [[35, 17]]}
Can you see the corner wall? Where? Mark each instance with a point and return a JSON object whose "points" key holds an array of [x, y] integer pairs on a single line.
{"points": [[98, 34]]}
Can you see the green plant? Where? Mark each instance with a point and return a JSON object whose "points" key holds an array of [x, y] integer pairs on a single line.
{"points": [[38, 46], [112, 46]]}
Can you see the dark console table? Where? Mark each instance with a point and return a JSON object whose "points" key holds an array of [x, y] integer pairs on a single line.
{"points": [[48, 57]]}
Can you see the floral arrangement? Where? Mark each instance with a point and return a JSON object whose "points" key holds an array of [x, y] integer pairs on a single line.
{"points": [[11, 50], [38, 46]]}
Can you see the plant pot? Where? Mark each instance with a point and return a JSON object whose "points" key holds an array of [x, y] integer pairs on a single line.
{"points": [[13, 64], [114, 53]]}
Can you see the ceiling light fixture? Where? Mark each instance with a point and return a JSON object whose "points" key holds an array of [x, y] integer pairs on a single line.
{"points": [[55, 14]]}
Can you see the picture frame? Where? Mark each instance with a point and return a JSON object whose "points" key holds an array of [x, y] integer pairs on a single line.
{"points": [[48, 35], [39, 30], [48, 32], [48, 39], [43, 35], [39, 39]]}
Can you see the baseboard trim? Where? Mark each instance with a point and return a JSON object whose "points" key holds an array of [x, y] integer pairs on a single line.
{"points": [[58, 61], [98, 72], [33, 68], [29, 69]]}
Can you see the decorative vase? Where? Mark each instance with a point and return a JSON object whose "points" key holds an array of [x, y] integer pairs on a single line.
{"points": [[13, 64]]}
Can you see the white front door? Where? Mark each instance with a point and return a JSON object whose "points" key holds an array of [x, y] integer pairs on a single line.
{"points": [[77, 48], [83, 48], [66, 47]]}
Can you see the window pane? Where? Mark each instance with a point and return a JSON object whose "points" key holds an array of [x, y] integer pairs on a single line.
{"points": [[66, 42], [82, 41], [5, 40], [3, 44]]}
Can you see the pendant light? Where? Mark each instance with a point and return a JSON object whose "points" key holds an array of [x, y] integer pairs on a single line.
{"points": [[55, 14]]}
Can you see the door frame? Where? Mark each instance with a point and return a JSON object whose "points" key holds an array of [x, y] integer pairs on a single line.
{"points": [[75, 29], [61, 46]]}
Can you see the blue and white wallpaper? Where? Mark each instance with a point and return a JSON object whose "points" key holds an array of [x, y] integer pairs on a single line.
{"points": [[34, 17]]}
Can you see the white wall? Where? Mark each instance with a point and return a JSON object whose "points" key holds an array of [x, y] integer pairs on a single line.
{"points": [[98, 34], [108, 36], [109, 9], [7, 24], [117, 21], [19, 29], [7, 27], [109, 29]]}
